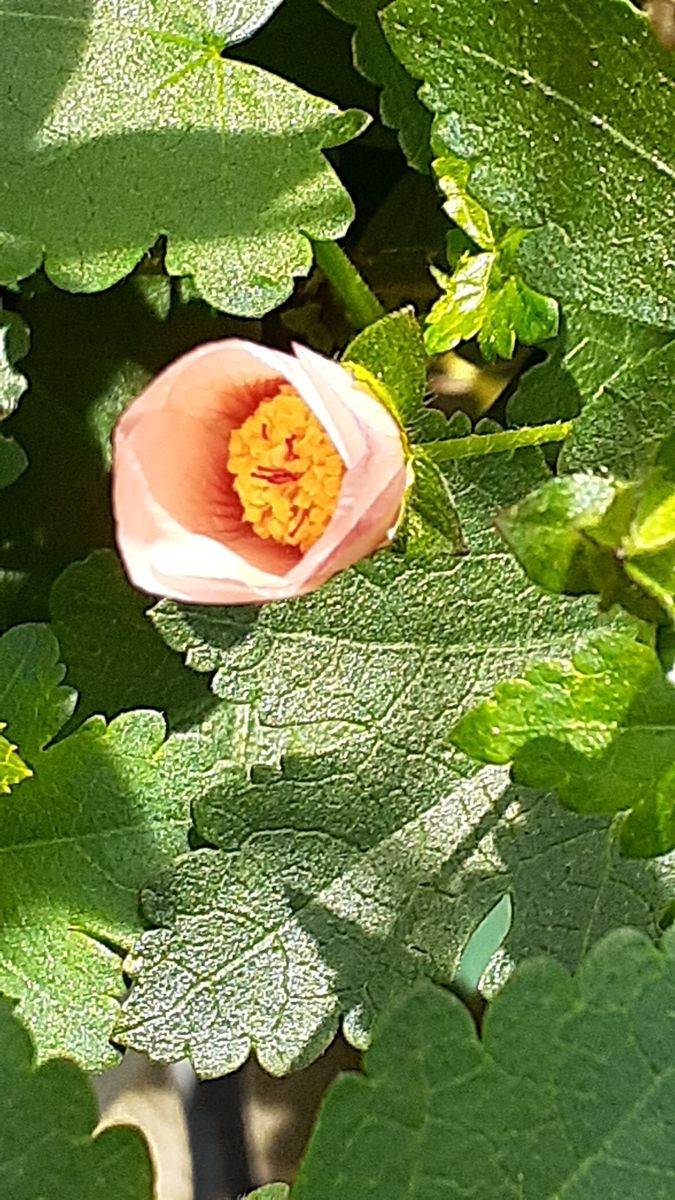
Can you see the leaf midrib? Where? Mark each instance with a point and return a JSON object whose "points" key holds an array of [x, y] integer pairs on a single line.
{"points": [[441, 45]]}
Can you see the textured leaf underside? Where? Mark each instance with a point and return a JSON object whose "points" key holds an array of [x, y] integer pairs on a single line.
{"points": [[355, 849]]}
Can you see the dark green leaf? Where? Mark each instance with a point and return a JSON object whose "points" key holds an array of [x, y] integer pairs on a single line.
{"points": [[593, 353], [399, 107], [115, 658], [565, 114], [620, 428], [48, 1144], [568, 1092]]}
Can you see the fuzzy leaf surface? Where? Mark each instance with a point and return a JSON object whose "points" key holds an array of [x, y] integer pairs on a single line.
{"points": [[104, 809], [139, 126], [592, 354], [620, 429], [578, 147], [48, 1115], [355, 850], [569, 1092]]}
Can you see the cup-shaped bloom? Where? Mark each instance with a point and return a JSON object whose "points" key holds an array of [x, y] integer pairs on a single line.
{"points": [[242, 474]]}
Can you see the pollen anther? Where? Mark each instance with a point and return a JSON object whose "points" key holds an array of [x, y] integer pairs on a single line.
{"points": [[286, 471]]}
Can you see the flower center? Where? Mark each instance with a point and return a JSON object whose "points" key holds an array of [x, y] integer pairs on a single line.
{"points": [[287, 472]]}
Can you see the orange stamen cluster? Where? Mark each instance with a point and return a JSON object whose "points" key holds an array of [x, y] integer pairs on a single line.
{"points": [[286, 471]]}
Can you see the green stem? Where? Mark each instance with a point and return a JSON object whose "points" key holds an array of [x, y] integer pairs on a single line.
{"points": [[360, 304], [476, 445]]}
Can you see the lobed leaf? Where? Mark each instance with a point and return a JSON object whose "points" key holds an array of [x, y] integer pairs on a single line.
{"points": [[353, 849], [592, 354], [103, 810], [48, 1144], [399, 107], [599, 728], [140, 125], [568, 1092]]}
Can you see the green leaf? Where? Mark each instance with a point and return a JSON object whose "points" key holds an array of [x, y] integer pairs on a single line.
{"points": [[12, 768], [48, 1144], [353, 850], [14, 343], [621, 428], [577, 146], [104, 809], [271, 1191], [452, 174], [141, 125], [483, 297], [115, 658], [431, 523], [568, 1091], [593, 352], [399, 107], [392, 352], [599, 728], [579, 534]]}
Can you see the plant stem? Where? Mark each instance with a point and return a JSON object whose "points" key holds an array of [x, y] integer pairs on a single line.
{"points": [[477, 445], [360, 304]]}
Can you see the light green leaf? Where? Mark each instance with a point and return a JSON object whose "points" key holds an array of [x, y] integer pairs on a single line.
{"points": [[484, 297], [13, 346], [104, 809], [452, 174], [271, 1191], [431, 523], [140, 125], [592, 533], [48, 1144], [115, 658], [568, 1091], [12, 768], [593, 353], [599, 728], [578, 146], [354, 849], [399, 107], [392, 352], [620, 428]]}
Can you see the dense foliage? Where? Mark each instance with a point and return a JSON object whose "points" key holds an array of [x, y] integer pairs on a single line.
{"points": [[271, 822]]}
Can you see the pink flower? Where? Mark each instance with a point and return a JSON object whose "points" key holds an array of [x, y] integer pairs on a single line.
{"points": [[242, 474]]}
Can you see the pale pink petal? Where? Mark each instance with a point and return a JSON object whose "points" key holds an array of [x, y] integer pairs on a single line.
{"points": [[180, 526]]}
